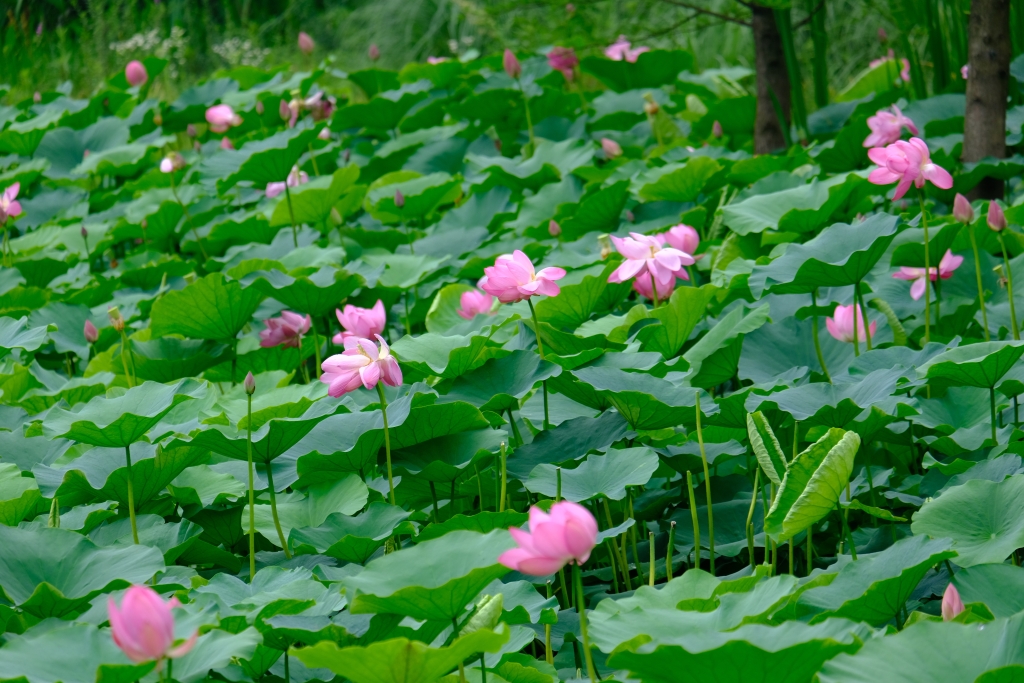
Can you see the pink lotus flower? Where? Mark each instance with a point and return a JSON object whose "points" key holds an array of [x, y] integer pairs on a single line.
{"points": [[294, 179], [841, 325], [611, 148], [436, 60], [965, 71], [285, 331], [620, 50], [9, 206], [645, 253], [952, 605], [949, 263], [563, 59], [306, 43], [962, 209], [566, 535], [221, 117], [361, 322], [908, 162], [373, 53], [512, 278], [225, 144], [716, 129], [511, 64], [136, 74], [475, 303], [904, 71], [172, 162], [996, 219], [683, 237], [91, 333], [642, 286], [361, 363], [887, 127], [144, 626], [554, 229]]}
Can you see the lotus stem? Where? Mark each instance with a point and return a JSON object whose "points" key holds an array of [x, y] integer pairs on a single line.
{"points": [[565, 591], [696, 526], [515, 428], [291, 214], [540, 349], [548, 657], [621, 550], [433, 498], [671, 551], [650, 544], [632, 537], [316, 349], [992, 408], [127, 361], [529, 120], [252, 495], [1009, 287], [810, 550], [558, 484], [707, 488], [131, 495], [581, 608], [864, 315], [387, 442], [750, 517], [814, 335], [981, 288], [612, 552], [927, 277], [273, 510], [504, 478]]}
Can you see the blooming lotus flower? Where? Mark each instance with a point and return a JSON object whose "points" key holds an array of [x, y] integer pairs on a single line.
{"points": [[136, 74], [294, 179], [841, 325], [9, 206], [952, 605], [908, 162], [563, 59], [611, 148], [620, 50], [645, 253], [143, 627], [306, 43], [91, 333], [361, 363], [682, 237], [962, 209], [567, 534], [949, 263], [475, 303], [511, 64], [642, 286], [221, 117], [373, 53], [285, 331], [887, 127], [361, 322], [996, 219], [512, 278]]}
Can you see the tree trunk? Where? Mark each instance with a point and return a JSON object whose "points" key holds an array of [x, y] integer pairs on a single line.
{"points": [[773, 89], [988, 80]]}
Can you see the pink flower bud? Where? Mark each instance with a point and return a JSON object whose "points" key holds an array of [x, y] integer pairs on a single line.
{"points": [[190, 130], [399, 199], [373, 53], [37, 97], [570, 8], [996, 217], [883, 37], [136, 74], [306, 43], [962, 210], [554, 229], [324, 134], [91, 333], [716, 129], [225, 143], [250, 383], [85, 233], [512, 66], [952, 605], [259, 107], [284, 110], [567, 534], [611, 148], [144, 626]]}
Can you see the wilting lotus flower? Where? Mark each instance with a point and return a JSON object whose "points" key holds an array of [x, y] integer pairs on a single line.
{"points": [[645, 253], [285, 331], [91, 333], [683, 237], [9, 205], [373, 53], [474, 303], [144, 626], [642, 286], [294, 179], [512, 278], [172, 162], [962, 209], [887, 127], [620, 50], [952, 605], [136, 74], [221, 117], [512, 66], [320, 105], [949, 263], [563, 59], [611, 148], [567, 534], [306, 43], [361, 322], [908, 162], [996, 219], [361, 363], [841, 325]]}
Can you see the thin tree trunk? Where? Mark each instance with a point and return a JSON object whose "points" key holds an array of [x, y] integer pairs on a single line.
{"points": [[773, 89], [988, 81]]}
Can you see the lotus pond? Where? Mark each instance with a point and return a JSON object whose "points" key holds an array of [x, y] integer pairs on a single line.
{"points": [[283, 360]]}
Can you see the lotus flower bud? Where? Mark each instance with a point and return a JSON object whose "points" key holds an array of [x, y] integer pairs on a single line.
{"points": [[190, 130], [172, 162], [324, 134], [259, 107], [115, 315], [144, 224], [373, 53], [488, 614], [651, 108], [630, 217], [606, 246], [284, 110], [883, 37], [85, 154], [952, 605], [158, 119], [335, 215], [399, 199], [85, 233], [554, 229], [570, 8], [611, 148], [716, 129], [512, 66], [36, 97], [136, 74], [225, 143], [996, 217], [962, 210], [250, 383], [91, 333], [306, 43]]}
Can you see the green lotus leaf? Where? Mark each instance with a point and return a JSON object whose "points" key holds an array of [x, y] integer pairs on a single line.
{"points": [[66, 148], [652, 69], [380, 113], [168, 358], [263, 161], [353, 539], [441, 356], [679, 316], [645, 401], [210, 308], [500, 384], [598, 210], [997, 586], [606, 475], [317, 294], [716, 356], [423, 195], [75, 653], [766, 447], [16, 334], [312, 202], [800, 209], [975, 365], [679, 183], [569, 440], [19, 496]]}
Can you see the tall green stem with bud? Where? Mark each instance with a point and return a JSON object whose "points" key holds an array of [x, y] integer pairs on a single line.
{"points": [[250, 389]]}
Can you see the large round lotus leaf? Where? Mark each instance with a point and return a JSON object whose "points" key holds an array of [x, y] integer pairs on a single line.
{"points": [[975, 365]]}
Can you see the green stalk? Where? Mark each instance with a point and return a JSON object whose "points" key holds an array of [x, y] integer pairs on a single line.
{"points": [[633, 539], [810, 550], [750, 517], [131, 495], [387, 443], [936, 47], [650, 544], [977, 273], [696, 527], [291, 214], [992, 409], [1009, 287], [817, 343], [864, 314], [927, 270], [819, 36], [581, 608], [671, 551], [707, 488], [252, 496], [612, 552], [846, 532], [504, 478], [529, 121], [127, 362], [620, 550], [540, 349], [273, 511], [515, 428], [316, 348], [548, 657]]}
